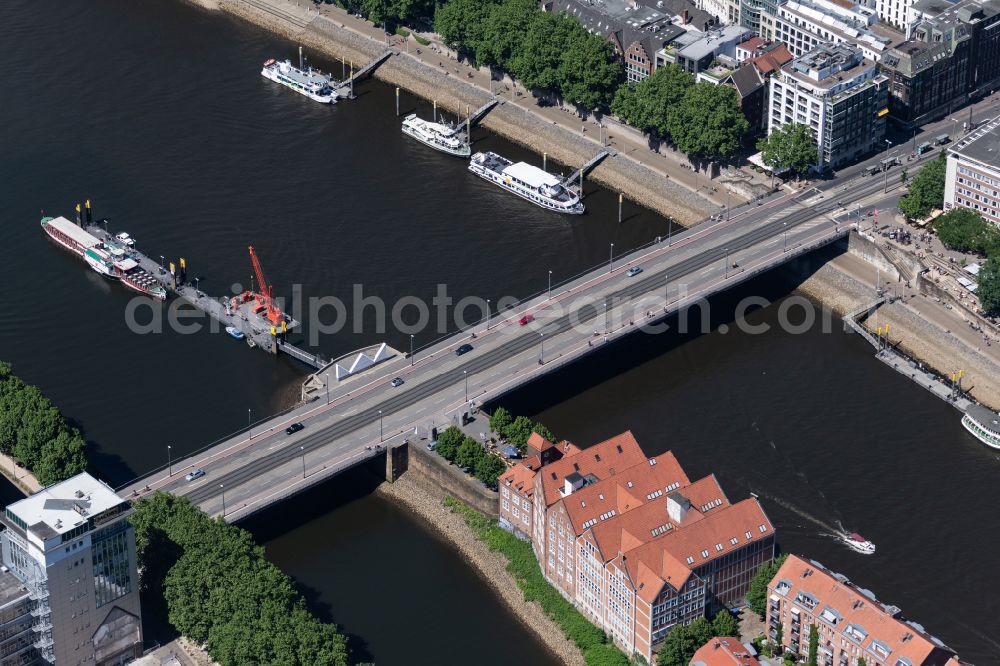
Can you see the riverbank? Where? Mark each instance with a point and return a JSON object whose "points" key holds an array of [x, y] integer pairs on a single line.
{"points": [[21, 477], [322, 32], [923, 329], [426, 502]]}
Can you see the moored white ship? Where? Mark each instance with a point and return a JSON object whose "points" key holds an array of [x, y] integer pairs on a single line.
{"points": [[436, 135], [100, 262], [308, 82], [983, 424], [528, 182]]}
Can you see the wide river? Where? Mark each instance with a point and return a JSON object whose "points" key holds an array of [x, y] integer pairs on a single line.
{"points": [[157, 113]]}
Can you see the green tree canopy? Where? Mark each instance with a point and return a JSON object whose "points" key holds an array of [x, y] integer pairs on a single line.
{"points": [[539, 63], [218, 588], [724, 624], [462, 24], [989, 284], [757, 595], [503, 31], [965, 230], [646, 105], [708, 122], [590, 71], [791, 146], [499, 420], [488, 468], [469, 452], [448, 442], [683, 641], [813, 645], [926, 191], [518, 432]]}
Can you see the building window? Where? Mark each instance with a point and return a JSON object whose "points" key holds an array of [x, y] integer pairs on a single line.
{"points": [[112, 572]]}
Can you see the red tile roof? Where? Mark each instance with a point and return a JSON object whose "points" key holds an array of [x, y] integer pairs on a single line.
{"points": [[852, 608], [752, 44], [521, 476], [602, 460], [723, 651], [772, 60]]}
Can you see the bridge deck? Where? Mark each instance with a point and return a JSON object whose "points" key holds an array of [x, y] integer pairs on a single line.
{"points": [[586, 168]]}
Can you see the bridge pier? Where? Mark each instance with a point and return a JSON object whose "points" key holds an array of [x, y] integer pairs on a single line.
{"points": [[396, 461]]}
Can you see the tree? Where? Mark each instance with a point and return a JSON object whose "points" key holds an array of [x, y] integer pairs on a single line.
{"points": [[757, 595], [646, 105], [448, 442], [504, 30], [488, 469], [538, 64], [499, 420], [683, 641], [589, 71], [965, 230], [461, 24], [469, 452], [989, 284], [862, 662], [518, 432], [926, 191], [725, 624], [791, 146], [813, 645], [708, 122], [544, 432]]}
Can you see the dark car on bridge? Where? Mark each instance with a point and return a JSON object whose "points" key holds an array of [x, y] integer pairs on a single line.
{"points": [[294, 428], [464, 349]]}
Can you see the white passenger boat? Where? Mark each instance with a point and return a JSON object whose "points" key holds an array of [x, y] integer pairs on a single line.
{"points": [[235, 332], [858, 543], [984, 425], [308, 82], [528, 182], [100, 261], [436, 135]]}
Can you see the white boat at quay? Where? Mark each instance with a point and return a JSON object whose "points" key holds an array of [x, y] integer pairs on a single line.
{"points": [[858, 543], [308, 82], [984, 424], [526, 181], [436, 135]]}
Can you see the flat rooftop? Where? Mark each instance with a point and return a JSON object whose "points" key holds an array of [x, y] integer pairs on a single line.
{"points": [[64, 506], [11, 588], [982, 144]]}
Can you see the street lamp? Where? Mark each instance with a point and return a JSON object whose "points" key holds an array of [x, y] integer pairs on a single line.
{"points": [[411, 350], [161, 262], [611, 259], [221, 485], [249, 426], [487, 314], [466, 373], [380, 425], [303, 450], [170, 463], [196, 281], [541, 355], [785, 226], [727, 263], [550, 285], [328, 388]]}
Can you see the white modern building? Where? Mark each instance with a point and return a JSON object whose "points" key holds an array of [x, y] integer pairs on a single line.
{"points": [[839, 94], [805, 24], [72, 550], [972, 178]]}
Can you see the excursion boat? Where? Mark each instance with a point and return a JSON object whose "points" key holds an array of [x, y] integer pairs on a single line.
{"points": [[528, 182], [435, 135], [860, 544], [235, 332], [107, 258], [306, 82], [983, 424]]}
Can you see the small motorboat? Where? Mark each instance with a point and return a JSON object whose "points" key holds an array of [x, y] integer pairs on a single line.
{"points": [[235, 332], [860, 544]]}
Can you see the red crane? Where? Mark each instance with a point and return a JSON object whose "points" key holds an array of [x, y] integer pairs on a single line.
{"points": [[265, 294]]}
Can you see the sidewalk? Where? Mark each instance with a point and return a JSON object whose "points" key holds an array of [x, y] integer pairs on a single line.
{"points": [[19, 476], [628, 142]]}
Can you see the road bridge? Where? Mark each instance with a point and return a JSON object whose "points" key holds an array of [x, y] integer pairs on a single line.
{"points": [[350, 424]]}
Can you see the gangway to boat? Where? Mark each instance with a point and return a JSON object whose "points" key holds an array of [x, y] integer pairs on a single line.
{"points": [[314, 360], [477, 115], [346, 87], [586, 168]]}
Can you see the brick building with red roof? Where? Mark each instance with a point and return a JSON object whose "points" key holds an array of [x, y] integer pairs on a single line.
{"points": [[852, 624], [724, 651], [632, 541]]}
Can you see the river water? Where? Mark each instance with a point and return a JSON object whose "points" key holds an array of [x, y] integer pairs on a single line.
{"points": [[156, 112]]}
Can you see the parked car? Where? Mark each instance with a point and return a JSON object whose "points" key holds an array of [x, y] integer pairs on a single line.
{"points": [[294, 428], [464, 349], [632, 272], [398, 381], [526, 319], [196, 473]]}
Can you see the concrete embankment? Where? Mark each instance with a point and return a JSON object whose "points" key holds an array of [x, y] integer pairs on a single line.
{"points": [[847, 282], [322, 33], [425, 500]]}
